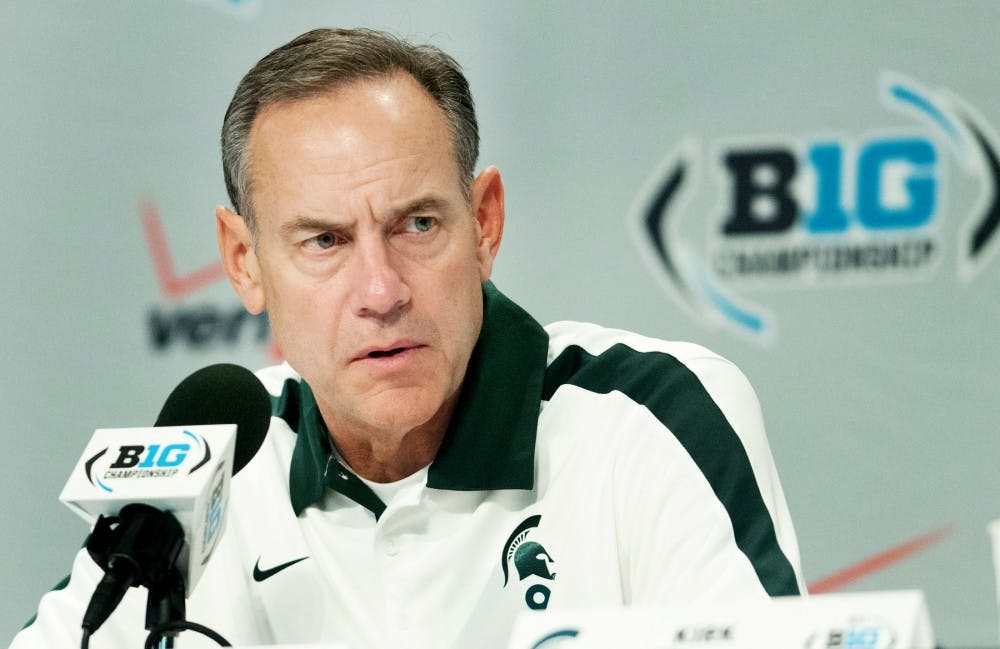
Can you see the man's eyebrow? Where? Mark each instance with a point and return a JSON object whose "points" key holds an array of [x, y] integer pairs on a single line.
{"points": [[311, 223], [422, 204], [300, 223]]}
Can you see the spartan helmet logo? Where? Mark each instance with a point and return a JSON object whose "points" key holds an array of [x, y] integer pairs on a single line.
{"points": [[530, 559]]}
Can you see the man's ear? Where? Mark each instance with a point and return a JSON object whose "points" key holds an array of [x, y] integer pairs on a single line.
{"points": [[239, 258], [487, 205]]}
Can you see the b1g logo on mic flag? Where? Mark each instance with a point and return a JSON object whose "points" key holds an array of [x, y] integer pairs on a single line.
{"points": [[171, 465], [824, 209], [135, 461]]}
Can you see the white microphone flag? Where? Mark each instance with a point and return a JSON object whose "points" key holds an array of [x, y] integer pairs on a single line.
{"points": [[184, 470]]}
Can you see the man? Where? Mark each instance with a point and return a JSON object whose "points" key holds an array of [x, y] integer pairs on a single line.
{"points": [[437, 462]]}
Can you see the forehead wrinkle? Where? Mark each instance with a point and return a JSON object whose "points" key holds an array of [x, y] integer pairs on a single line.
{"points": [[371, 172], [350, 165], [308, 138], [326, 185]]}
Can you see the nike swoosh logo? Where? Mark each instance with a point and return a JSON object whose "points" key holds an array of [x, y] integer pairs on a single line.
{"points": [[261, 575]]}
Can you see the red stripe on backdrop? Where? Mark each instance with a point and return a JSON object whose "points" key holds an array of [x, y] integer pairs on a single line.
{"points": [[879, 561], [171, 284]]}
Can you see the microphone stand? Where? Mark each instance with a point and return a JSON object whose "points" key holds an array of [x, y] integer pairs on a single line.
{"points": [[165, 605], [138, 547]]}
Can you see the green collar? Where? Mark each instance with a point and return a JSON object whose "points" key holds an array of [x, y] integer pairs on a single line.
{"points": [[490, 443]]}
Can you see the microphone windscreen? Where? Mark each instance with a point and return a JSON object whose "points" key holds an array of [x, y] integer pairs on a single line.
{"points": [[222, 394]]}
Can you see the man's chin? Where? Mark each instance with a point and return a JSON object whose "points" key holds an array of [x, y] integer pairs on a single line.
{"points": [[400, 411]]}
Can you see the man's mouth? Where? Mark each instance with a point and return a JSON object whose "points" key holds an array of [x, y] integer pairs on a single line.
{"points": [[387, 352]]}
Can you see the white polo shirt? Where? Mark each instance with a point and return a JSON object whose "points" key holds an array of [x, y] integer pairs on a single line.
{"points": [[583, 466]]}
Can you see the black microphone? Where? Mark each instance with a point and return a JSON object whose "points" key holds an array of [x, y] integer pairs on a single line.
{"points": [[222, 394], [143, 545]]}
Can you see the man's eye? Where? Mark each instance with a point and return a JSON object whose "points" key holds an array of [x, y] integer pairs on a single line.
{"points": [[323, 241], [420, 223]]}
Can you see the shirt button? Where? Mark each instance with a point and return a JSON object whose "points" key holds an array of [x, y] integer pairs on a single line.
{"points": [[391, 547]]}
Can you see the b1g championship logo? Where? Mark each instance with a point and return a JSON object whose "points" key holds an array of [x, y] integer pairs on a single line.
{"points": [[856, 633], [139, 461], [819, 210]]}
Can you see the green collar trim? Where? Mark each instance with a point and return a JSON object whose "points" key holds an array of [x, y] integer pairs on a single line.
{"points": [[311, 455], [490, 443]]}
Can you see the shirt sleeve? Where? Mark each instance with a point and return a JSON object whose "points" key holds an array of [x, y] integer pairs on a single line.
{"points": [[701, 515], [60, 612], [219, 601]]}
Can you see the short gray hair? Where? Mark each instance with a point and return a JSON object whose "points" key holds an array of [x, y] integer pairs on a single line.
{"points": [[322, 60]]}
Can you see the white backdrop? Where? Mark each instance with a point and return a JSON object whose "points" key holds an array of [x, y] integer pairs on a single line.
{"points": [[878, 378]]}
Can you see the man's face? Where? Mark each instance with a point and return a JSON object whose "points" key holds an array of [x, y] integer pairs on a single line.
{"points": [[369, 257]]}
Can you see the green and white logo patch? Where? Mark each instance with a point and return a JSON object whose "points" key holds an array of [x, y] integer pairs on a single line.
{"points": [[530, 560]]}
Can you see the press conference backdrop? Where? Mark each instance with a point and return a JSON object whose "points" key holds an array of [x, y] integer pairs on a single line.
{"points": [[807, 188]]}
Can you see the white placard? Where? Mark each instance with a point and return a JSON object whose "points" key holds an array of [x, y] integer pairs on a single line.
{"points": [[896, 619]]}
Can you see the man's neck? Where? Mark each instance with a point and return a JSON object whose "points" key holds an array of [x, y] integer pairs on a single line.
{"points": [[382, 456]]}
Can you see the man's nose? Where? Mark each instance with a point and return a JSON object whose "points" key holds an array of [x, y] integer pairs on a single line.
{"points": [[379, 288]]}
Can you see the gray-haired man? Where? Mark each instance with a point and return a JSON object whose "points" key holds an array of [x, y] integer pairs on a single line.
{"points": [[437, 461]]}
